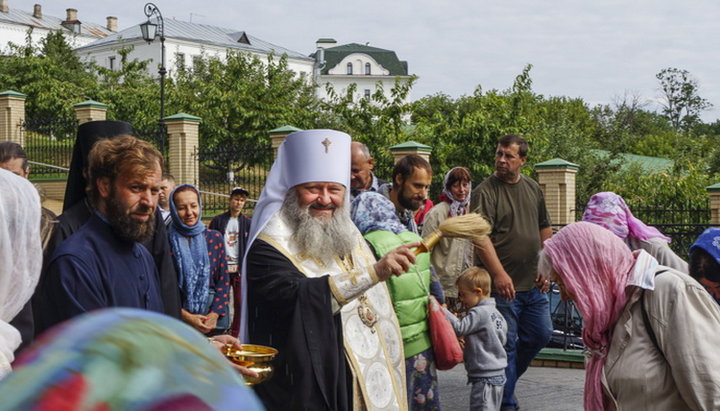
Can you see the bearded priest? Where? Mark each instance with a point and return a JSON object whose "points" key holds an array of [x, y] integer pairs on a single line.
{"points": [[314, 290]]}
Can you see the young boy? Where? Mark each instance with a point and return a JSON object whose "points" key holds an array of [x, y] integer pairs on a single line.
{"points": [[235, 228], [485, 333]]}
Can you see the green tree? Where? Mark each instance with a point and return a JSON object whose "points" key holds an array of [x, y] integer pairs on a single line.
{"points": [[50, 74], [378, 121], [682, 104], [240, 99]]}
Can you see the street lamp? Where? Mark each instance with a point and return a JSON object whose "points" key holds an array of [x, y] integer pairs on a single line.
{"points": [[149, 31]]}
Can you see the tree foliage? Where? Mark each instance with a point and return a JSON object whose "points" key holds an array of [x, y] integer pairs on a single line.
{"points": [[682, 104], [240, 99]]}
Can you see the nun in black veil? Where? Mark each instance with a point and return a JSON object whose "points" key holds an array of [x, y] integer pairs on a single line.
{"points": [[77, 210]]}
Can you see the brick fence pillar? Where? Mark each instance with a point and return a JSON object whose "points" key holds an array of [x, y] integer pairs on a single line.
{"points": [[557, 181], [183, 132], [90, 111], [12, 116], [714, 193], [411, 147], [277, 136]]}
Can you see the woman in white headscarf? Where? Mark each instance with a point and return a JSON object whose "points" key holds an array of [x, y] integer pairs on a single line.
{"points": [[452, 255], [20, 254]]}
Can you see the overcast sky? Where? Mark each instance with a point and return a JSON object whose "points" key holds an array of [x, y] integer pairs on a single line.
{"points": [[596, 49]]}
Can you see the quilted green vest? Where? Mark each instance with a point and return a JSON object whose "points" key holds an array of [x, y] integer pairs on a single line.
{"points": [[409, 292]]}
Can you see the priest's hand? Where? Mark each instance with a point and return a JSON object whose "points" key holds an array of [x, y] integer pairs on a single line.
{"points": [[396, 262], [220, 341], [195, 320]]}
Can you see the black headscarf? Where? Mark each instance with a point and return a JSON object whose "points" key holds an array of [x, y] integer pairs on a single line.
{"points": [[88, 134]]}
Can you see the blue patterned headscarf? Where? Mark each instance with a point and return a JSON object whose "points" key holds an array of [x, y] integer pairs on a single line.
{"points": [[191, 257], [709, 241], [371, 211], [124, 359]]}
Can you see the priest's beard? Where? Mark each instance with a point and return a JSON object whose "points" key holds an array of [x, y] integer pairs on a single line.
{"points": [[322, 239], [126, 227]]}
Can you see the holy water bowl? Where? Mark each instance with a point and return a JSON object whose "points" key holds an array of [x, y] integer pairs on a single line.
{"points": [[254, 357]]}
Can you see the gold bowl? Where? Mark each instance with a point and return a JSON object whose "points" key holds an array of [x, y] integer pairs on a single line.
{"points": [[257, 358]]}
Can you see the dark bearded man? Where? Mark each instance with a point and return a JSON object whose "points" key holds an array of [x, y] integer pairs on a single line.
{"points": [[103, 264], [314, 290]]}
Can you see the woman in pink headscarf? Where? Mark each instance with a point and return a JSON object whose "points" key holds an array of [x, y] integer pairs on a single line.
{"points": [[651, 331], [609, 210]]}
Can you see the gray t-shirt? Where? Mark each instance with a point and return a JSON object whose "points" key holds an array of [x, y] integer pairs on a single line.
{"points": [[517, 213]]}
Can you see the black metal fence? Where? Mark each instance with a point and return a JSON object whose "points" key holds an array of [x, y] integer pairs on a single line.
{"points": [[157, 136], [49, 144], [228, 166]]}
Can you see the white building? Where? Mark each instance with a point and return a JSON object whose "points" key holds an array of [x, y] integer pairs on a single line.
{"points": [[363, 65], [183, 42], [15, 24]]}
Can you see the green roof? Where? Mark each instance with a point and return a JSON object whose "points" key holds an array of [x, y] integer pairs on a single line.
{"points": [[386, 58], [11, 93], [284, 130], [648, 164], [713, 188], [183, 116], [411, 145], [556, 163]]}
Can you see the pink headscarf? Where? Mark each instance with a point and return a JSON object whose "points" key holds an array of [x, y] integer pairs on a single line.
{"points": [[594, 266], [609, 210]]}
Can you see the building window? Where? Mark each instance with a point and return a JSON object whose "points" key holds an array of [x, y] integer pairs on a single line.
{"points": [[180, 60], [367, 69], [111, 62], [349, 68], [367, 93]]}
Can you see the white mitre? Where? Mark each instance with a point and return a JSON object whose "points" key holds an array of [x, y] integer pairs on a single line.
{"points": [[304, 157]]}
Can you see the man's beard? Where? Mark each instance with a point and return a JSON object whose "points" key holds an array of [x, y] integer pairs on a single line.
{"points": [[406, 202], [318, 238], [126, 227]]}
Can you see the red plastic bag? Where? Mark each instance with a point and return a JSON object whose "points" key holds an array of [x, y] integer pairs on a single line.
{"points": [[445, 344]]}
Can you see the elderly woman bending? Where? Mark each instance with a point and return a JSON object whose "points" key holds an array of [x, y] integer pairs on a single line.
{"points": [[651, 330]]}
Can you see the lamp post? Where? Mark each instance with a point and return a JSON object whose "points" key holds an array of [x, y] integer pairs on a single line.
{"points": [[149, 31]]}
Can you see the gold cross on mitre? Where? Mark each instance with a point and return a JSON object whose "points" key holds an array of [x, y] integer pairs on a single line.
{"points": [[326, 143]]}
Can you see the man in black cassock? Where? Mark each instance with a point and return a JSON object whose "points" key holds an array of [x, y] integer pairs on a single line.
{"points": [[77, 210], [314, 290]]}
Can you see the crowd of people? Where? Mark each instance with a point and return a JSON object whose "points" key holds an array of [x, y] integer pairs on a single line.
{"points": [[325, 272]]}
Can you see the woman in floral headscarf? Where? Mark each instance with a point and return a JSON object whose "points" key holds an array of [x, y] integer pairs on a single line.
{"points": [[651, 331], [124, 359], [705, 261], [609, 210], [452, 255]]}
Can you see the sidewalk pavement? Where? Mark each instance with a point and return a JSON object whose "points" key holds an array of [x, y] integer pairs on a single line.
{"points": [[539, 389]]}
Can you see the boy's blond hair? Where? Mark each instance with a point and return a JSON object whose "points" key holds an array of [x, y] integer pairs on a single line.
{"points": [[475, 277]]}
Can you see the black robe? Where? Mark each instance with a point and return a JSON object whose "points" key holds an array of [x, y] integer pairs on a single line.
{"points": [[291, 312], [72, 220]]}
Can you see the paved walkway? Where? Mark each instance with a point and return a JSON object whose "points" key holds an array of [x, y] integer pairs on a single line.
{"points": [[539, 389]]}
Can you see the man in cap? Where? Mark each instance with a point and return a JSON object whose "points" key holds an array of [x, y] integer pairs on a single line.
{"points": [[235, 228], [314, 290], [77, 210]]}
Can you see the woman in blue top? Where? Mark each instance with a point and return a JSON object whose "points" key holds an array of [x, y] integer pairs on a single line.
{"points": [[199, 257]]}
